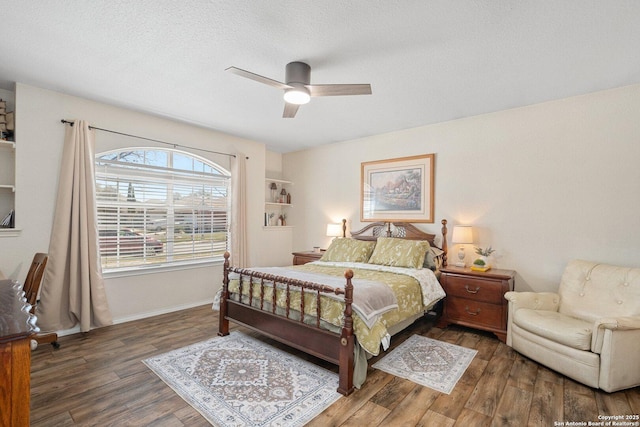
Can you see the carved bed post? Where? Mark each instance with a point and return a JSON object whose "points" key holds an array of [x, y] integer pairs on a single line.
{"points": [[444, 242], [223, 323], [345, 385]]}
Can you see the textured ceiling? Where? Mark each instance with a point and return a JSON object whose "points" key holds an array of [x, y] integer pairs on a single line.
{"points": [[427, 61]]}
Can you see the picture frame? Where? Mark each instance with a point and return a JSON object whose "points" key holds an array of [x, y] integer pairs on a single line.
{"points": [[398, 189]]}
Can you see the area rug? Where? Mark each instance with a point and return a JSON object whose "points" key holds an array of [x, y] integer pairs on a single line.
{"points": [[238, 380], [434, 364]]}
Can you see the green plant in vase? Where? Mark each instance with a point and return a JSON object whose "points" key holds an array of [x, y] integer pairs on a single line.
{"points": [[483, 260]]}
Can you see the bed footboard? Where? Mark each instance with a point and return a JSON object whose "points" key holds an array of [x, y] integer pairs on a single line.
{"points": [[261, 315]]}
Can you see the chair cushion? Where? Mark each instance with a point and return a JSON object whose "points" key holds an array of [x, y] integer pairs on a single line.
{"points": [[591, 291], [556, 327]]}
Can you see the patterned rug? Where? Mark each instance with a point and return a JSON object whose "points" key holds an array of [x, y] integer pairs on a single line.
{"points": [[434, 364], [238, 380]]}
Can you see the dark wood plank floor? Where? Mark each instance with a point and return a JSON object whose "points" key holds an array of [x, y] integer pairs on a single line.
{"points": [[98, 379]]}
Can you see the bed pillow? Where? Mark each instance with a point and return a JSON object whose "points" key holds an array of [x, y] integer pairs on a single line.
{"points": [[433, 258], [348, 250], [396, 252]]}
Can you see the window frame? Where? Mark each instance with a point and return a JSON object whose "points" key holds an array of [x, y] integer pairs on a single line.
{"points": [[176, 179]]}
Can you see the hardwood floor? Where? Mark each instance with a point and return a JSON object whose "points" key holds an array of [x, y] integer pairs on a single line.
{"points": [[98, 379]]}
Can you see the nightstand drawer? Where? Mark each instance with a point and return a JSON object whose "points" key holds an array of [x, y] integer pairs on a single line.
{"points": [[304, 257], [301, 259], [477, 313], [478, 289], [476, 299]]}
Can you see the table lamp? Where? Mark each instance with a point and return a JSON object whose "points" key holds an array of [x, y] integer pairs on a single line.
{"points": [[337, 230], [334, 230], [462, 235]]}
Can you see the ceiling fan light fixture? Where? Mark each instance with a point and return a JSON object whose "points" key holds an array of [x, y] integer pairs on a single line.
{"points": [[297, 95], [298, 89]]}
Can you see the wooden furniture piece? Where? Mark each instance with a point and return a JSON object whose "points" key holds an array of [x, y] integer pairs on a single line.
{"points": [[31, 287], [303, 257], [476, 299], [300, 258], [16, 327], [336, 348]]}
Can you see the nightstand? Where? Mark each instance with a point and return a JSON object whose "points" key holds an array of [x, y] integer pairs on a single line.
{"points": [[304, 257], [476, 299]]}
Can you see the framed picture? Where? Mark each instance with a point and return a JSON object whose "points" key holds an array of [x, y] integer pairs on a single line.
{"points": [[397, 189]]}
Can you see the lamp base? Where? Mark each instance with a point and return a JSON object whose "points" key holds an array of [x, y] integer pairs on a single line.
{"points": [[460, 264]]}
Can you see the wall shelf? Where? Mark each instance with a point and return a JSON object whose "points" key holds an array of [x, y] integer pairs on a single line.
{"points": [[10, 232], [276, 208], [277, 204], [7, 166]]}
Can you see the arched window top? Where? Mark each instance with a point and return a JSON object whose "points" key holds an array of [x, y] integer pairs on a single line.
{"points": [[162, 158]]}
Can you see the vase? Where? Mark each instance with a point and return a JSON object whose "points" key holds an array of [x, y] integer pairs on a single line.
{"points": [[482, 261]]}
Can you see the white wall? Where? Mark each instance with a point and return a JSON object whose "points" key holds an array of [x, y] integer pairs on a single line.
{"points": [[40, 137], [542, 184]]}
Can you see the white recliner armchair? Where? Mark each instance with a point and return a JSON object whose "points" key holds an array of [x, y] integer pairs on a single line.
{"points": [[588, 331]]}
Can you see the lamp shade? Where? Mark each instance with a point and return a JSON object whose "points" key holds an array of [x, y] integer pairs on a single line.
{"points": [[462, 234], [334, 230]]}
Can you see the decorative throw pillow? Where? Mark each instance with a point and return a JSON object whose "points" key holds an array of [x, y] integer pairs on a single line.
{"points": [[399, 252], [433, 259], [348, 250]]}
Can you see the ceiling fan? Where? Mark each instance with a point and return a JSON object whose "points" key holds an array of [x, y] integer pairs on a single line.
{"points": [[297, 87]]}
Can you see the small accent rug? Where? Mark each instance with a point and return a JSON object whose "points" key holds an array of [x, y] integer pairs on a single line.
{"points": [[434, 364], [238, 380]]}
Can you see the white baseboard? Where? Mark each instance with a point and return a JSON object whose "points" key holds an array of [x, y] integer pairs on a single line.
{"points": [[138, 316]]}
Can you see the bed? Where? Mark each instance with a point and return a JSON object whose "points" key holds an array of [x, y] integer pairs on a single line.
{"points": [[341, 308]]}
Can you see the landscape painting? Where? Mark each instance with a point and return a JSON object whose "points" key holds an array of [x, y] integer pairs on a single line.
{"points": [[397, 189]]}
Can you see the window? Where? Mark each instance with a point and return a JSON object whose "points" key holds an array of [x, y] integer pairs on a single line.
{"points": [[160, 206]]}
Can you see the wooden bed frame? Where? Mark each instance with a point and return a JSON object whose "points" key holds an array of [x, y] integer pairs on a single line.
{"points": [[336, 348]]}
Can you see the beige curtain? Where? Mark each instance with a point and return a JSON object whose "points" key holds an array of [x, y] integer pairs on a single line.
{"points": [[239, 250], [72, 287]]}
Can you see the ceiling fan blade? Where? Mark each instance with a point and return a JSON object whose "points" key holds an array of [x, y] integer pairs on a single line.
{"points": [[290, 110], [258, 78], [339, 90]]}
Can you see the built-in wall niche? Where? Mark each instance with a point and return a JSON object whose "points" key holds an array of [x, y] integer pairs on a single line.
{"points": [[7, 164], [278, 199]]}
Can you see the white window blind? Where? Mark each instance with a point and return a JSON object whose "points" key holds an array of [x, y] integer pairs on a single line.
{"points": [[160, 206]]}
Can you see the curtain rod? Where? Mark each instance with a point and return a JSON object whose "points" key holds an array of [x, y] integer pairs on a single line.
{"points": [[71, 123]]}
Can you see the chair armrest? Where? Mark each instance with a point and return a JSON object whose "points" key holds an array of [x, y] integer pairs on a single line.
{"points": [[626, 323], [549, 301], [621, 323], [534, 300]]}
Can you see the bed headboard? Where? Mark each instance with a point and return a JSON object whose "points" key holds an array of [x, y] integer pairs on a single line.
{"points": [[402, 230]]}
